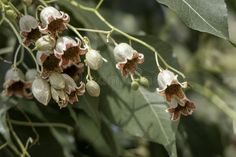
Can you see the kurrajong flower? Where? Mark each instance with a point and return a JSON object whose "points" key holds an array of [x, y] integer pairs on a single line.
{"points": [[68, 51], [72, 90], [53, 21], [16, 85], [29, 29], [171, 89], [127, 58], [49, 62], [169, 86]]}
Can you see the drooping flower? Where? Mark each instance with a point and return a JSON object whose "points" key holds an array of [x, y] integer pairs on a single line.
{"points": [[16, 85], [68, 51], [127, 58], [72, 90], [29, 29], [53, 21], [185, 110], [172, 90], [169, 86], [49, 63]]}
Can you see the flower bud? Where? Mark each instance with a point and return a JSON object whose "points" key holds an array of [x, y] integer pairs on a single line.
{"points": [[41, 91], [45, 43], [93, 88], [11, 14], [94, 59], [122, 52], [144, 81], [31, 74], [135, 85], [57, 80]]}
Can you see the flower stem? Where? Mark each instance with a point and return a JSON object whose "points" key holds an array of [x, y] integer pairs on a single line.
{"points": [[3, 145], [75, 31], [38, 124], [24, 151], [15, 56], [93, 30]]}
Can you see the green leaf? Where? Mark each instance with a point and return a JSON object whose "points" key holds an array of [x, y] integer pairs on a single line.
{"points": [[90, 106], [140, 113], [203, 15], [89, 131]]}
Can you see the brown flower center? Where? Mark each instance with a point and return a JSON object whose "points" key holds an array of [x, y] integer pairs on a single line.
{"points": [[72, 54], [17, 87], [51, 63], [34, 35], [174, 89], [56, 26], [131, 65]]}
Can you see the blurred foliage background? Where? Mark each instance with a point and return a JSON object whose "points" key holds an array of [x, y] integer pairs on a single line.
{"points": [[208, 62]]}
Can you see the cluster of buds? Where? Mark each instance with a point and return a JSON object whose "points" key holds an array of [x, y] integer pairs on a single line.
{"points": [[59, 58], [171, 89]]}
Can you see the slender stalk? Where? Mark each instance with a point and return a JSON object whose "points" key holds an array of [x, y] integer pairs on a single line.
{"points": [[99, 4], [24, 151], [15, 56], [6, 50], [38, 124], [29, 120], [3, 145], [93, 30], [75, 31], [14, 8]]}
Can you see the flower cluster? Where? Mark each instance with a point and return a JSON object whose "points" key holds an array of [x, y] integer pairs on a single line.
{"points": [[63, 60], [171, 89], [60, 59]]}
